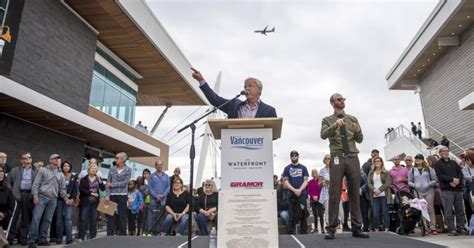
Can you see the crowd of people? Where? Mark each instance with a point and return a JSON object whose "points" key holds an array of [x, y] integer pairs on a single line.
{"points": [[442, 190], [39, 203]]}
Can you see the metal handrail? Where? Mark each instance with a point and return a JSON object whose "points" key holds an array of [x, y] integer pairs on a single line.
{"points": [[440, 133], [402, 130]]}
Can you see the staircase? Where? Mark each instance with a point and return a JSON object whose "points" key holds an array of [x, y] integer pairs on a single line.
{"points": [[402, 142]]}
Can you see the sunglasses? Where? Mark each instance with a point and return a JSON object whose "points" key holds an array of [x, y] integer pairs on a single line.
{"points": [[340, 99]]}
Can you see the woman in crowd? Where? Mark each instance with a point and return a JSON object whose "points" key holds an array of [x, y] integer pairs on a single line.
{"points": [[468, 176], [379, 186], [324, 179], [89, 199], [63, 210], [314, 193], [7, 205], [207, 206], [177, 207], [143, 187], [437, 202], [134, 204], [423, 179]]}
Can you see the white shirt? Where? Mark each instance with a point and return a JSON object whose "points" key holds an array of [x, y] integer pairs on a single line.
{"points": [[378, 184]]}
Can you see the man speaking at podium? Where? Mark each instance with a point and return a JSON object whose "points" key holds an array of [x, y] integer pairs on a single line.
{"points": [[253, 107]]}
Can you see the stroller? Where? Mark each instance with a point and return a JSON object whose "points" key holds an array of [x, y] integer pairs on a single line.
{"points": [[408, 217]]}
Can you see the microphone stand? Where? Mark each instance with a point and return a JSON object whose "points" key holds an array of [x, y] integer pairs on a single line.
{"points": [[192, 155]]}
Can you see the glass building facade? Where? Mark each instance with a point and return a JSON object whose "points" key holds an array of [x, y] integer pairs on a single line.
{"points": [[112, 96]]}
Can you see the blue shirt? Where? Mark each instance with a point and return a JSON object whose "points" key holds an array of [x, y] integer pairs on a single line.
{"points": [[159, 185], [295, 174], [26, 181]]}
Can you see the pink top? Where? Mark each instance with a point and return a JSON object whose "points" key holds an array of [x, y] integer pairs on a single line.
{"points": [[314, 189], [399, 173]]}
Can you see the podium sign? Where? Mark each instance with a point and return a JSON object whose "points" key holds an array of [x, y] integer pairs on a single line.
{"points": [[248, 219], [247, 159], [247, 200]]}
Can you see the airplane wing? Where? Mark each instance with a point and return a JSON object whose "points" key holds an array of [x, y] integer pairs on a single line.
{"points": [[265, 29]]}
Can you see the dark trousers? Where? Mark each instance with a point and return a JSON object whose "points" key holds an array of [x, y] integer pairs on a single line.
{"points": [[453, 199], [132, 222], [364, 210], [88, 214], [292, 222], [349, 167], [25, 210], [318, 212], [119, 220], [345, 207]]}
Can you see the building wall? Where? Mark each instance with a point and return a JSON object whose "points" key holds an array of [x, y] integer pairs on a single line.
{"points": [[18, 136], [450, 79], [54, 53]]}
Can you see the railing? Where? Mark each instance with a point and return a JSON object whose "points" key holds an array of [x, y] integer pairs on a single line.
{"points": [[441, 134], [402, 131]]}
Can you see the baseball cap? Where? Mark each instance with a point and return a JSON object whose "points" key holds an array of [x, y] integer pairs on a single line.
{"points": [[53, 156], [294, 152], [419, 156]]}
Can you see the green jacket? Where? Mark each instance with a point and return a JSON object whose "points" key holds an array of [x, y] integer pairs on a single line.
{"points": [[386, 182], [329, 130]]}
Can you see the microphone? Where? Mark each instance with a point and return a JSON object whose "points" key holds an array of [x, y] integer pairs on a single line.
{"points": [[244, 93]]}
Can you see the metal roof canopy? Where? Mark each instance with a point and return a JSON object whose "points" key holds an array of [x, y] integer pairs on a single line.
{"points": [[130, 30], [442, 29]]}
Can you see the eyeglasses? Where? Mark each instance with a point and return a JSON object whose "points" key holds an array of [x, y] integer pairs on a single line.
{"points": [[340, 99], [409, 159], [25, 158], [327, 158], [208, 185]]}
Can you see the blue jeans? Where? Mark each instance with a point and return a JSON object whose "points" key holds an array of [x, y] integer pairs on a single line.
{"points": [[63, 221], [380, 208], [169, 220], [46, 207], [88, 213], [202, 221], [285, 218]]}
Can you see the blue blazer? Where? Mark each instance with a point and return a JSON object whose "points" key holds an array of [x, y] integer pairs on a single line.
{"points": [[232, 108]]}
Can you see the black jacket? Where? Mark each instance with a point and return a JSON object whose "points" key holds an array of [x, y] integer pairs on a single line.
{"points": [[282, 198], [232, 108], [84, 190], [446, 171], [7, 202]]}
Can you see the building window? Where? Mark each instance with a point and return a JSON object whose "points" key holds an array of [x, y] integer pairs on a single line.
{"points": [[112, 96]]}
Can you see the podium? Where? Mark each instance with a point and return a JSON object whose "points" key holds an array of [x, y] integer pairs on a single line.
{"points": [[247, 200]]}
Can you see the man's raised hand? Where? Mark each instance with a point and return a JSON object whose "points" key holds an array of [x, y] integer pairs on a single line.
{"points": [[197, 75]]}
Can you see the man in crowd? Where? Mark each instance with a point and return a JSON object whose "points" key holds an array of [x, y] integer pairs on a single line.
{"points": [[253, 107], [21, 180], [116, 190], [159, 187], [275, 182], [399, 175], [295, 179], [418, 130], [3, 163], [408, 162], [343, 131], [450, 178], [368, 165], [413, 129], [49, 184]]}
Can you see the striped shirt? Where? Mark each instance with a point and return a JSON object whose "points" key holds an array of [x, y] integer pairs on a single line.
{"points": [[119, 181]]}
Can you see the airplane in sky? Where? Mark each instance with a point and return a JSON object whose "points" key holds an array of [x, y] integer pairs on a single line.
{"points": [[265, 30]]}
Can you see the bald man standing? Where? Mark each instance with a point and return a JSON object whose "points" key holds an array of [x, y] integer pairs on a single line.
{"points": [[253, 107], [343, 131]]}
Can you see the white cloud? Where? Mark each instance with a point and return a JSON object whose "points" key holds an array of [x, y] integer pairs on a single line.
{"points": [[319, 47]]}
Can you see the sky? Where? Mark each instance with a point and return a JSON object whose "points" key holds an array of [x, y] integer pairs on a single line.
{"points": [[319, 48]]}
